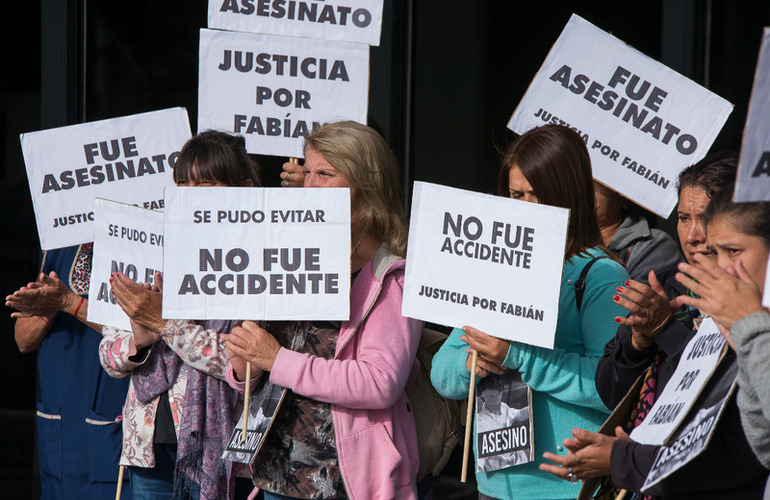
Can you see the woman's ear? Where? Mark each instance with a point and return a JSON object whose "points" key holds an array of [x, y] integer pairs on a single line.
{"points": [[247, 183]]}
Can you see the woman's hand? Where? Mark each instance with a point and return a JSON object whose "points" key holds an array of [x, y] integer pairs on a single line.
{"points": [[139, 302], [725, 295], [143, 337], [252, 344], [649, 306], [293, 175], [491, 351], [588, 455], [44, 297]]}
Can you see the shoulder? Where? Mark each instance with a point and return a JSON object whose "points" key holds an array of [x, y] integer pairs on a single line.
{"points": [[603, 266]]}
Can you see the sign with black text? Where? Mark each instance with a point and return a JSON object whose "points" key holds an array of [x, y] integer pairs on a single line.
{"points": [[642, 122], [263, 406], [274, 90], [128, 240], [695, 436], [345, 20], [257, 253], [128, 159], [753, 182], [504, 430], [698, 362], [505, 245]]}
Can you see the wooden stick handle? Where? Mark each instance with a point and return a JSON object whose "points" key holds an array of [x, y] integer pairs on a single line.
{"points": [[621, 495], [120, 482], [469, 417], [294, 160], [246, 401]]}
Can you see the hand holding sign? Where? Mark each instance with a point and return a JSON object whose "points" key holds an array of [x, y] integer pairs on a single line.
{"points": [[588, 455], [491, 351], [253, 345], [293, 174], [649, 307]]}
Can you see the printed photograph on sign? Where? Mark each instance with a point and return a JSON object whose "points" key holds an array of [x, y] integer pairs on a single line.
{"points": [[504, 244], [504, 429], [256, 253], [641, 121], [264, 403], [274, 90], [127, 240], [128, 159], [695, 368], [357, 21], [694, 437], [753, 183]]}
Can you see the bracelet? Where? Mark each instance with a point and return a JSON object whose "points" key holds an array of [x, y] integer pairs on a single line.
{"points": [[82, 299]]}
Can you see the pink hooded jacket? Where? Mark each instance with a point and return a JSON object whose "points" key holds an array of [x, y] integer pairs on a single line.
{"points": [[375, 357]]}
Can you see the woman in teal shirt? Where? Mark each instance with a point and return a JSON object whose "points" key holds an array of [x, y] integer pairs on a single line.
{"points": [[548, 165]]}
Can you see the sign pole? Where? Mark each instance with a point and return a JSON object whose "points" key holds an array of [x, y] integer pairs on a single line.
{"points": [[246, 401], [469, 417]]}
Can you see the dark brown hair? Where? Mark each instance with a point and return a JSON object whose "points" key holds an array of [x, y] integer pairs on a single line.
{"points": [[555, 162], [748, 218], [711, 174], [216, 156]]}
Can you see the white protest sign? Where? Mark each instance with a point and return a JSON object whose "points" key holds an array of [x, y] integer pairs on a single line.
{"points": [[698, 362], [505, 245], [642, 122], [129, 240], [257, 253], [753, 182], [346, 20], [127, 159], [695, 436], [274, 90]]}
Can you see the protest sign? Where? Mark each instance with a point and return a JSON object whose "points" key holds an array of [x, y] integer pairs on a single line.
{"points": [[256, 253], [127, 159], [263, 406], [503, 422], [505, 245], [753, 182], [698, 362], [345, 20], [694, 437], [129, 240], [274, 90], [641, 121]]}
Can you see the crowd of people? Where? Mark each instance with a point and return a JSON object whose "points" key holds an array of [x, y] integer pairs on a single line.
{"points": [[162, 399]]}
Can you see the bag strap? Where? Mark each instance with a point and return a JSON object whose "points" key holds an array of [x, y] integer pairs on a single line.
{"points": [[580, 284]]}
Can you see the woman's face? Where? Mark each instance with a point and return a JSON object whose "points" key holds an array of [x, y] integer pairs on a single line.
{"points": [[321, 173], [519, 187], [689, 227], [731, 246]]}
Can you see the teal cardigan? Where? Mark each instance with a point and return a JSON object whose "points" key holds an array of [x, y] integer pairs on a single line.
{"points": [[562, 379]]}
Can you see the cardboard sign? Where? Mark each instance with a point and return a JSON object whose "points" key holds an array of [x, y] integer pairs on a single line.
{"points": [[641, 121], [505, 245], [698, 362], [345, 20], [129, 240], [753, 182], [504, 427], [274, 90], [695, 436], [257, 253], [263, 406], [128, 159]]}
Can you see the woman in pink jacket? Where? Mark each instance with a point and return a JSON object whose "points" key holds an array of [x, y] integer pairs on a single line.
{"points": [[345, 429]]}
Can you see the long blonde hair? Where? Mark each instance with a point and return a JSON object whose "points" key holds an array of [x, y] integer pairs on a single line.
{"points": [[369, 165]]}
